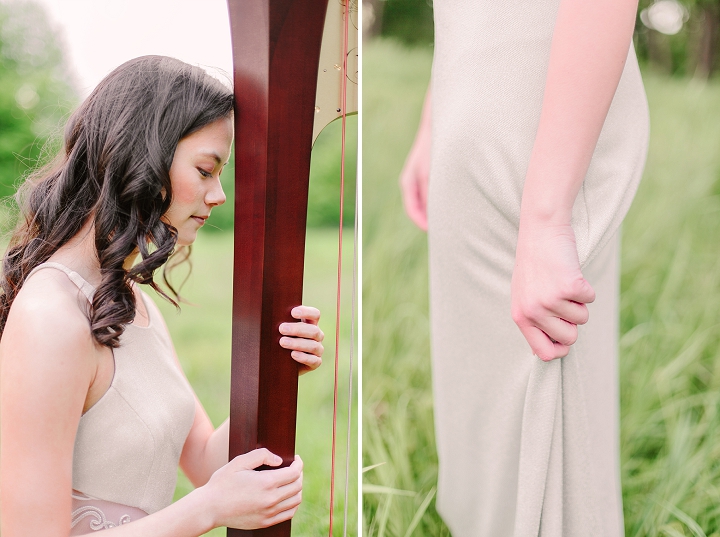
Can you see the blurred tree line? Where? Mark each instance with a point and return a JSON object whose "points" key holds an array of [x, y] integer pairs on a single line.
{"points": [[36, 91], [692, 51], [37, 94]]}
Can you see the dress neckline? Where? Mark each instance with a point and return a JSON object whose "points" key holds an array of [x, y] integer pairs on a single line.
{"points": [[87, 289]]}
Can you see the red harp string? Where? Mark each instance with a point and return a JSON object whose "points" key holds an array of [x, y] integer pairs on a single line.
{"points": [[346, 24]]}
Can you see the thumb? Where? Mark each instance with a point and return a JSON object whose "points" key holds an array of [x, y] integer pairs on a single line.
{"points": [[255, 458]]}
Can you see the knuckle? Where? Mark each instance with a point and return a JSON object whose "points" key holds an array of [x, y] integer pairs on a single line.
{"points": [[277, 497], [534, 312], [570, 288], [544, 302], [572, 336], [517, 315]]}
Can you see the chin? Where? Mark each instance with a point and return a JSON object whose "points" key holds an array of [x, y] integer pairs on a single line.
{"points": [[186, 239]]}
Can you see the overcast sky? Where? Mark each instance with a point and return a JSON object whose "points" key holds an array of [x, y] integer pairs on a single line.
{"points": [[101, 34]]}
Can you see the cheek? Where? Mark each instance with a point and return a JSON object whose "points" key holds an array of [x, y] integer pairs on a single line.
{"points": [[184, 190]]}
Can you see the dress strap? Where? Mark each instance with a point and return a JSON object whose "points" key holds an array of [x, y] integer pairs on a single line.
{"points": [[82, 284]]}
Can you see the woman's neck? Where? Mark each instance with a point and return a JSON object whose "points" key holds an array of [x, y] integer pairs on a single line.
{"points": [[80, 255]]}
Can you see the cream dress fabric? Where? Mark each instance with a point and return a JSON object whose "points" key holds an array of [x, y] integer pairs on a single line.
{"points": [[525, 448], [128, 444]]}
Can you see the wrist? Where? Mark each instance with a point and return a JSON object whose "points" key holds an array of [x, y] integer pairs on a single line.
{"points": [[538, 212], [200, 503], [548, 197]]}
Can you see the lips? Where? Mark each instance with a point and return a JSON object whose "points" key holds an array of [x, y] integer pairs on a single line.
{"points": [[199, 219]]}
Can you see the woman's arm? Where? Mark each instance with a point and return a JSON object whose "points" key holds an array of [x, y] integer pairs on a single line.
{"points": [[47, 363], [206, 448], [589, 48], [415, 174], [236, 496]]}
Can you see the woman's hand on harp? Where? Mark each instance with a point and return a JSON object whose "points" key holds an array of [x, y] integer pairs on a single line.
{"points": [[304, 338]]}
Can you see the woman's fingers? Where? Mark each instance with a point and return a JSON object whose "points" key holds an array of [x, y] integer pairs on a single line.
{"points": [[287, 491], [414, 192], [281, 477], [288, 503], [542, 346], [580, 291], [281, 517], [255, 458], [558, 330], [309, 361], [572, 312], [303, 330], [304, 338], [309, 346], [306, 314]]}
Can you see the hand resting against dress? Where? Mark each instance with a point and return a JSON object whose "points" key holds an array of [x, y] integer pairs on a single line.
{"points": [[548, 291], [414, 177]]}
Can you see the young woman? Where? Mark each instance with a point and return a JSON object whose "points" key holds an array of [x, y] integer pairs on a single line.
{"points": [[534, 138], [95, 411]]}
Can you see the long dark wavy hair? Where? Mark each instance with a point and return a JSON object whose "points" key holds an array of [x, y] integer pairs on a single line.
{"points": [[114, 169]]}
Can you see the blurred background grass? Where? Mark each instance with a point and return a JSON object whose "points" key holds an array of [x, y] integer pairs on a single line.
{"points": [[37, 93], [670, 313]]}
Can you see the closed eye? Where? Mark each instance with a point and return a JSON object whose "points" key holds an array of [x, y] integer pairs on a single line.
{"points": [[205, 173]]}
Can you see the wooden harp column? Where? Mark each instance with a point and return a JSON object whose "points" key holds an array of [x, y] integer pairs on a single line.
{"points": [[276, 49]]}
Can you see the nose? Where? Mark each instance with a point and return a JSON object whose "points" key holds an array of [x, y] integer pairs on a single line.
{"points": [[215, 195]]}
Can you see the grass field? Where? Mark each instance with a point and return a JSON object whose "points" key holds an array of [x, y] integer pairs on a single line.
{"points": [[670, 315], [201, 334]]}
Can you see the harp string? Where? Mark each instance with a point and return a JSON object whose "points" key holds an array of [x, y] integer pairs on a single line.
{"points": [[346, 21], [350, 375]]}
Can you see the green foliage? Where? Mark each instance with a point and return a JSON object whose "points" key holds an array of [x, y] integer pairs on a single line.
{"points": [[201, 334], [35, 91], [670, 311], [324, 195], [410, 21]]}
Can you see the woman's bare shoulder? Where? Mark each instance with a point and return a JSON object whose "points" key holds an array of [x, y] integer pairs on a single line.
{"points": [[47, 317]]}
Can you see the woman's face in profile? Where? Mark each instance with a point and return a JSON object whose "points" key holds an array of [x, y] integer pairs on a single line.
{"points": [[195, 178]]}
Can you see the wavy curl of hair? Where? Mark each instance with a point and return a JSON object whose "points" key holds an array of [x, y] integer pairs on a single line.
{"points": [[115, 169]]}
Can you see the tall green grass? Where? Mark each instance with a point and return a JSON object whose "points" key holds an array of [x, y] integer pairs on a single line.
{"points": [[670, 315]]}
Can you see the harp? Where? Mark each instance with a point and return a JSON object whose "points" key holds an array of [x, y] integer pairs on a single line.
{"points": [[287, 89]]}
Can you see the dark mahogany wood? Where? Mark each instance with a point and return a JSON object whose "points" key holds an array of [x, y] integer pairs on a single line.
{"points": [[276, 49]]}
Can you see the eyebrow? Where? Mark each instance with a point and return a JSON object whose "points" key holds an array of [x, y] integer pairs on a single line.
{"points": [[213, 155]]}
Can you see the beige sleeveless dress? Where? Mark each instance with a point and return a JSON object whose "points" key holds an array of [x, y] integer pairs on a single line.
{"points": [[128, 444], [525, 448]]}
